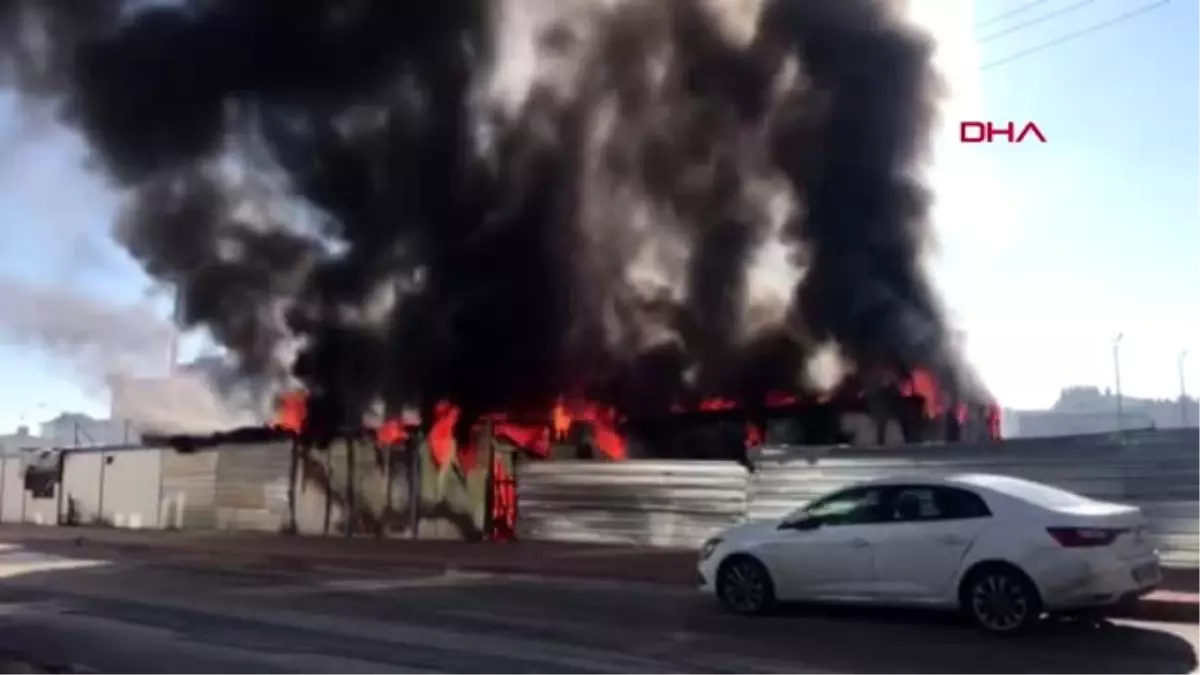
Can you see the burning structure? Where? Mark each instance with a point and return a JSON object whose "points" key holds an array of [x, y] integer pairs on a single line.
{"points": [[579, 216]]}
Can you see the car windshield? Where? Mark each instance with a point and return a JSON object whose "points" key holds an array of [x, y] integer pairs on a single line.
{"points": [[1036, 493]]}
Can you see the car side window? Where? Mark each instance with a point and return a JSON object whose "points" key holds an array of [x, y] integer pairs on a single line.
{"points": [[959, 504], [856, 506], [915, 503], [927, 503]]}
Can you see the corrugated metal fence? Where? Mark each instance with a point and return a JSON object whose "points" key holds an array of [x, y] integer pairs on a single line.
{"points": [[1159, 474], [679, 504], [657, 503], [670, 504]]}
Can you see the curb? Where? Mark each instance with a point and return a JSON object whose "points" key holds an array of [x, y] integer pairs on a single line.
{"points": [[1167, 607]]}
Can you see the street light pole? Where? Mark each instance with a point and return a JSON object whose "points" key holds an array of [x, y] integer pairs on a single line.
{"points": [[1183, 400], [1117, 381]]}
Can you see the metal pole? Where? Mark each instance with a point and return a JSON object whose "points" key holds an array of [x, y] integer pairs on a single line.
{"points": [[293, 469], [489, 487], [1183, 400], [416, 454], [1117, 381], [100, 492], [351, 505], [385, 514]]}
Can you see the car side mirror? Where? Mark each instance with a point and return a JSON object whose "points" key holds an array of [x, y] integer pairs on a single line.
{"points": [[802, 524]]}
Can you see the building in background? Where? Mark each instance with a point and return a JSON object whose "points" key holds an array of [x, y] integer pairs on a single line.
{"points": [[1089, 410], [70, 430], [21, 441]]}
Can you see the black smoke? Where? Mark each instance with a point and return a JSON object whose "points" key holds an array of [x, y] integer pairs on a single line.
{"points": [[370, 195]]}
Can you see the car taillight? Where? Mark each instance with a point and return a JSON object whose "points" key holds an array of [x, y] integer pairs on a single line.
{"points": [[1081, 537]]}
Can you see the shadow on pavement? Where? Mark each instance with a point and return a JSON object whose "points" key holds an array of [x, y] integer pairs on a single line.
{"points": [[209, 618]]}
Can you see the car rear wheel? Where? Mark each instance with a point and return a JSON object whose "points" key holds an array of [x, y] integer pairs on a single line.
{"points": [[744, 586], [1001, 600]]}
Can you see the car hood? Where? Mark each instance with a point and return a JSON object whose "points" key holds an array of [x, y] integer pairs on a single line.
{"points": [[746, 531]]}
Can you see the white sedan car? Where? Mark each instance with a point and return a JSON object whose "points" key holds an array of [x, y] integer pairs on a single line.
{"points": [[1002, 549]]}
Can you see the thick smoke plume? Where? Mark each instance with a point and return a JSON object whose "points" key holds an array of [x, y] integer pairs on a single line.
{"points": [[501, 201], [99, 339]]}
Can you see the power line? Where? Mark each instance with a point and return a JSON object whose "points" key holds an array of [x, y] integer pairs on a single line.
{"points": [[1035, 21], [1019, 9], [1121, 18]]}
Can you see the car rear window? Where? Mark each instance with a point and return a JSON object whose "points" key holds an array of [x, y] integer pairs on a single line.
{"points": [[1036, 493]]}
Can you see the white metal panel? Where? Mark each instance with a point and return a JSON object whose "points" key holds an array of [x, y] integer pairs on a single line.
{"points": [[12, 490], [81, 482], [132, 484]]}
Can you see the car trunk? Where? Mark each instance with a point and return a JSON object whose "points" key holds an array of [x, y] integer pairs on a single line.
{"points": [[1133, 540]]}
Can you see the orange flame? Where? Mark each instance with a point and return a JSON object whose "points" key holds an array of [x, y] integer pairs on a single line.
{"points": [[291, 411], [391, 432], [560, 420]]}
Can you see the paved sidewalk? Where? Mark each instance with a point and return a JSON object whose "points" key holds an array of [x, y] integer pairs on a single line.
{"points": [[1177, 600]]}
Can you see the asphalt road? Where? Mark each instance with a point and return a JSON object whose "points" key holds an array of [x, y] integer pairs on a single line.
{"points": [[136, 617]]}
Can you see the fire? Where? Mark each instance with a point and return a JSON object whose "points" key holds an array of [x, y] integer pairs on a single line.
{"points": [[533, 438], [922, 384], [291, 412], [537, 437], [391, 432], [560, 421], [441, 432]]}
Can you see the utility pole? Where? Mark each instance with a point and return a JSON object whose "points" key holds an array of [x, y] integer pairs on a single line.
{"points": [[1183, 399], [1117, 381], [176, 321]]}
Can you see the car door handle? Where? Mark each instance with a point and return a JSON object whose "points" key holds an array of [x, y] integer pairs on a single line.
{"points": [[859, 543], [951, 540]]}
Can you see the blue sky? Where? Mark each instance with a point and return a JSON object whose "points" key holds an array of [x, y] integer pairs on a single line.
{"points": [[1050, 250], [1046, 252]]}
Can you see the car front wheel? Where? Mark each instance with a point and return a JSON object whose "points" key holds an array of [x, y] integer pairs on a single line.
{"points": [[1001, 600], [744, 586]]}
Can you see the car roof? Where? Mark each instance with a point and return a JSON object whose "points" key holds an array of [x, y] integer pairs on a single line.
{"points": [[983, 480]]}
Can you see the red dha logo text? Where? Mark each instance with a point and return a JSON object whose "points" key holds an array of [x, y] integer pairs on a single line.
{"points": [[987, 132]]}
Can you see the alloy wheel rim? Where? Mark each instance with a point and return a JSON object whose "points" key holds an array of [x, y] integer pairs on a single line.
{"points": [[745, 589], [999, 603]]}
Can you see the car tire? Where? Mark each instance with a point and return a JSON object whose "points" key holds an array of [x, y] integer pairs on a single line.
{"points": [[1001, 599], [744, 586]]}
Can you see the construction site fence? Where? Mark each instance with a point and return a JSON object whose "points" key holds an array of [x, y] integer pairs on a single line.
{"points": [[361, 490], [347, 489], [680, 504]]}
